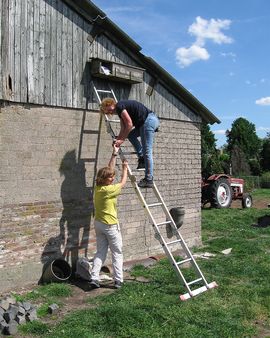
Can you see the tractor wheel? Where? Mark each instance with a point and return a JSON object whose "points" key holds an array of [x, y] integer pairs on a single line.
{"points": [[247, 201], [221, 193]]}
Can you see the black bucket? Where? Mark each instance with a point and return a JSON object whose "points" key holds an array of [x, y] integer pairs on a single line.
{"points": [[57, 271], [178, 216]]}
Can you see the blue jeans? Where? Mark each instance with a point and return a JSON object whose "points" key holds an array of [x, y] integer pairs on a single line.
{"points": [[145, 148]]}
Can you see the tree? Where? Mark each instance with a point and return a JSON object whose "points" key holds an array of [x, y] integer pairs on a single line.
{"points": [[265, 153], [209, 153], [243, 141], [240, 165]]}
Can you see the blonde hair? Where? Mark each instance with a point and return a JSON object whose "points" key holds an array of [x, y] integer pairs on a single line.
{"points": [[108, 101], [103, 174]]}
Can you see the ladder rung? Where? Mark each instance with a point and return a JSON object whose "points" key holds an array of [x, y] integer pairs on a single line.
{"points": [[129, 152], [184, 261], [196, 292], [103, 91], [90, 160], [194, 281], [154, 205], [173, 242], [163, 223], [114, 121], [88, 131]]}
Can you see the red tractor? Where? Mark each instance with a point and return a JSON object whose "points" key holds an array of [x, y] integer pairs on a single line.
{"points": [[219, 190]]}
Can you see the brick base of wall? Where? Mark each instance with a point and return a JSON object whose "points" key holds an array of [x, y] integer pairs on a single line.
{"points": [[47, 174]]}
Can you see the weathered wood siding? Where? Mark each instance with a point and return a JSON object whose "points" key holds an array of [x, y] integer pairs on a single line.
{"points": [[45, 51], [45, 57]]}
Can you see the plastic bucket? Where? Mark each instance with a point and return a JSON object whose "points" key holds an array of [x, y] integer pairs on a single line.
{"points": [[178, 215], [57, 271]]}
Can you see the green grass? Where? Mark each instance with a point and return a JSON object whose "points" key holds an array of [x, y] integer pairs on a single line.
{"points": [[153, 309], [44, 296], [48, 291], [261, 194]]}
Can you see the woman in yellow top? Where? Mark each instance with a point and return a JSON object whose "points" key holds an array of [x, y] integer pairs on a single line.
{"points": [[106, 223]]}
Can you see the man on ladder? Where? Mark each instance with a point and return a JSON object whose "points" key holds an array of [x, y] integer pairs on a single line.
{"points": [[136, 121]]}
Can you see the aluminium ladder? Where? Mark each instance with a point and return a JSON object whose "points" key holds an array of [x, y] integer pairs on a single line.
{"points": [[190, 286]]}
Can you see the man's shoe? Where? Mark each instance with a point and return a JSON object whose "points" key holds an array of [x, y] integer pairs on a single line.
{"points": [[144, 183], [141, 164], [94, 284], [117, 284]]}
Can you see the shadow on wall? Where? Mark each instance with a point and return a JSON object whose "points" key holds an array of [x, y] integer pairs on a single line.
{"points": [[74, 225]]}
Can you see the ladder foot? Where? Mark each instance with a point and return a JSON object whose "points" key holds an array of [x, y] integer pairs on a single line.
{"points": [[198, 291]]}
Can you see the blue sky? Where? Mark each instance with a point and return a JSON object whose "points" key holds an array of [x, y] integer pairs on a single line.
{"points": [[218, 50]]}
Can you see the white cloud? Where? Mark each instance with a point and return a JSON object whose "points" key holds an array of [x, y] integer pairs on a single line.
{"points": [[220, 132], [186, 56], [263, 129], [210, 29], [203, 30], [230, 55], [264, 101]]}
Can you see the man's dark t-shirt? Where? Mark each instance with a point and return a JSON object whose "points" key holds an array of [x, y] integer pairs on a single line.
{"points": [[136, 110]]}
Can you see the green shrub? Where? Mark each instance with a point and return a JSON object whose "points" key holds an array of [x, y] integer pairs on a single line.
{"points": [[265, 180], [251, 182]]}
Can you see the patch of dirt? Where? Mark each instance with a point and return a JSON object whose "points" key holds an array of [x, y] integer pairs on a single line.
{"points": [[78, 300], [257, 203], [81, 293], [263, 330]]}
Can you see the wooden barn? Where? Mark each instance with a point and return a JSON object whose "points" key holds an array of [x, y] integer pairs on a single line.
{"points": [[53, 139]]}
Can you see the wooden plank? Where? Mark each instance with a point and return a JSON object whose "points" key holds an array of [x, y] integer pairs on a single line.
{"points": [[47, 55], [41, 60], [75, 58], [80, 64], [35, 98], [69, 75], [64, 57], [17, 51], [1, 37], [85, 58], [30, 51], [59, 18], [53, 54], [23, 36], [10, 75], [2, 34]]}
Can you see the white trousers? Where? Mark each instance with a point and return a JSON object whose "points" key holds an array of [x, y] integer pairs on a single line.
{"points": [[108, 236]]}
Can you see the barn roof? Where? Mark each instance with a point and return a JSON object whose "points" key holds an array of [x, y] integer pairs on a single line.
{"points": [[104, 25]]}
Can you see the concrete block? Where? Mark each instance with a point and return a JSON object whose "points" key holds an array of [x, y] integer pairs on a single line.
{"points": [[11, 300], [31, 315], [20, 319], [12, 328], [21, 311], [3, 325], [4, 304], [53, 308], [26, 306]]}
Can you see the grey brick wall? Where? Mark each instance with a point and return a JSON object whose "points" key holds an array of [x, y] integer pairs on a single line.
{"points": [[46, 187]]}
